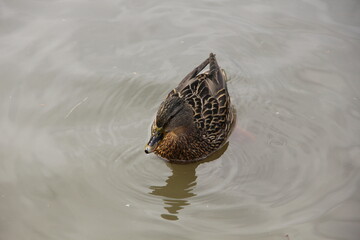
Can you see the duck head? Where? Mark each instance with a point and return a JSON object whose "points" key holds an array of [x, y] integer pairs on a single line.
{"points": [[173, 115]]}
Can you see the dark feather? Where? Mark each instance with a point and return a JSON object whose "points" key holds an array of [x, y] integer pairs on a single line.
{"points": [[206, 94]]}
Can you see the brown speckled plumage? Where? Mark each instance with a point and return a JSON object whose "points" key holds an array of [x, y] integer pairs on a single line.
{"points": [[196, 118]]}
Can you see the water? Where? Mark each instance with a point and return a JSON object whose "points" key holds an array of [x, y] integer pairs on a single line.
{"points": [[80, 84]]}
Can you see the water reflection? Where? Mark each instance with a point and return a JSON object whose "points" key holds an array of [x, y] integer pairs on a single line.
{"points": [[180, 185]]}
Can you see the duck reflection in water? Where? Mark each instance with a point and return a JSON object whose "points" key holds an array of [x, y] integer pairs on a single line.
{"points": [[180, 185]]}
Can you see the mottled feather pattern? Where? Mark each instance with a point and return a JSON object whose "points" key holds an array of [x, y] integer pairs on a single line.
{"points": [[210, 112], [212, 115]]}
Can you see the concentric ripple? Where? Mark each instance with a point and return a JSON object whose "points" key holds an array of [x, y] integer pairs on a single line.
{"points": [[81, 82], [273, 174]]}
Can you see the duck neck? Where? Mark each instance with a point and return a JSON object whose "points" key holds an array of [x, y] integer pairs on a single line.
{"points": [[182, 146]]}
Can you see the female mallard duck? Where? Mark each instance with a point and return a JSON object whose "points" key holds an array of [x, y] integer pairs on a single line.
{"points": [[196, 117]]}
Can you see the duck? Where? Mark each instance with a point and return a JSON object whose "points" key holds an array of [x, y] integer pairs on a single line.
{"points": [[196, 118]]}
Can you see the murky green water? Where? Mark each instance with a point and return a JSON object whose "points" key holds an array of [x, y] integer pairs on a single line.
{"points": [[81, 82]]}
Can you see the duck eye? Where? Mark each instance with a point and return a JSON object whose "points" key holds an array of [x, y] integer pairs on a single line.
{"points": [[157, 131]]}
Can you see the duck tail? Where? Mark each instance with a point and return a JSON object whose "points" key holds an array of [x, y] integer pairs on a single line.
{"points": [[217, 74], [194, 72]]}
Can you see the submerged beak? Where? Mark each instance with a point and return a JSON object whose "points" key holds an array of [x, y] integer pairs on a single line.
{"points": [[153, 142]]}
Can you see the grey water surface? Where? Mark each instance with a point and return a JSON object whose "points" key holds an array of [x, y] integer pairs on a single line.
{"points": [[80, 82]]}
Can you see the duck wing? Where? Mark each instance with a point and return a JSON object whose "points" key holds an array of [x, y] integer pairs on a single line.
{"points": [[216, 78], [207, 95]]}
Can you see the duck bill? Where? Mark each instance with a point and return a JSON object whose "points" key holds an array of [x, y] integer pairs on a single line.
{"points": [[152, 144]]}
